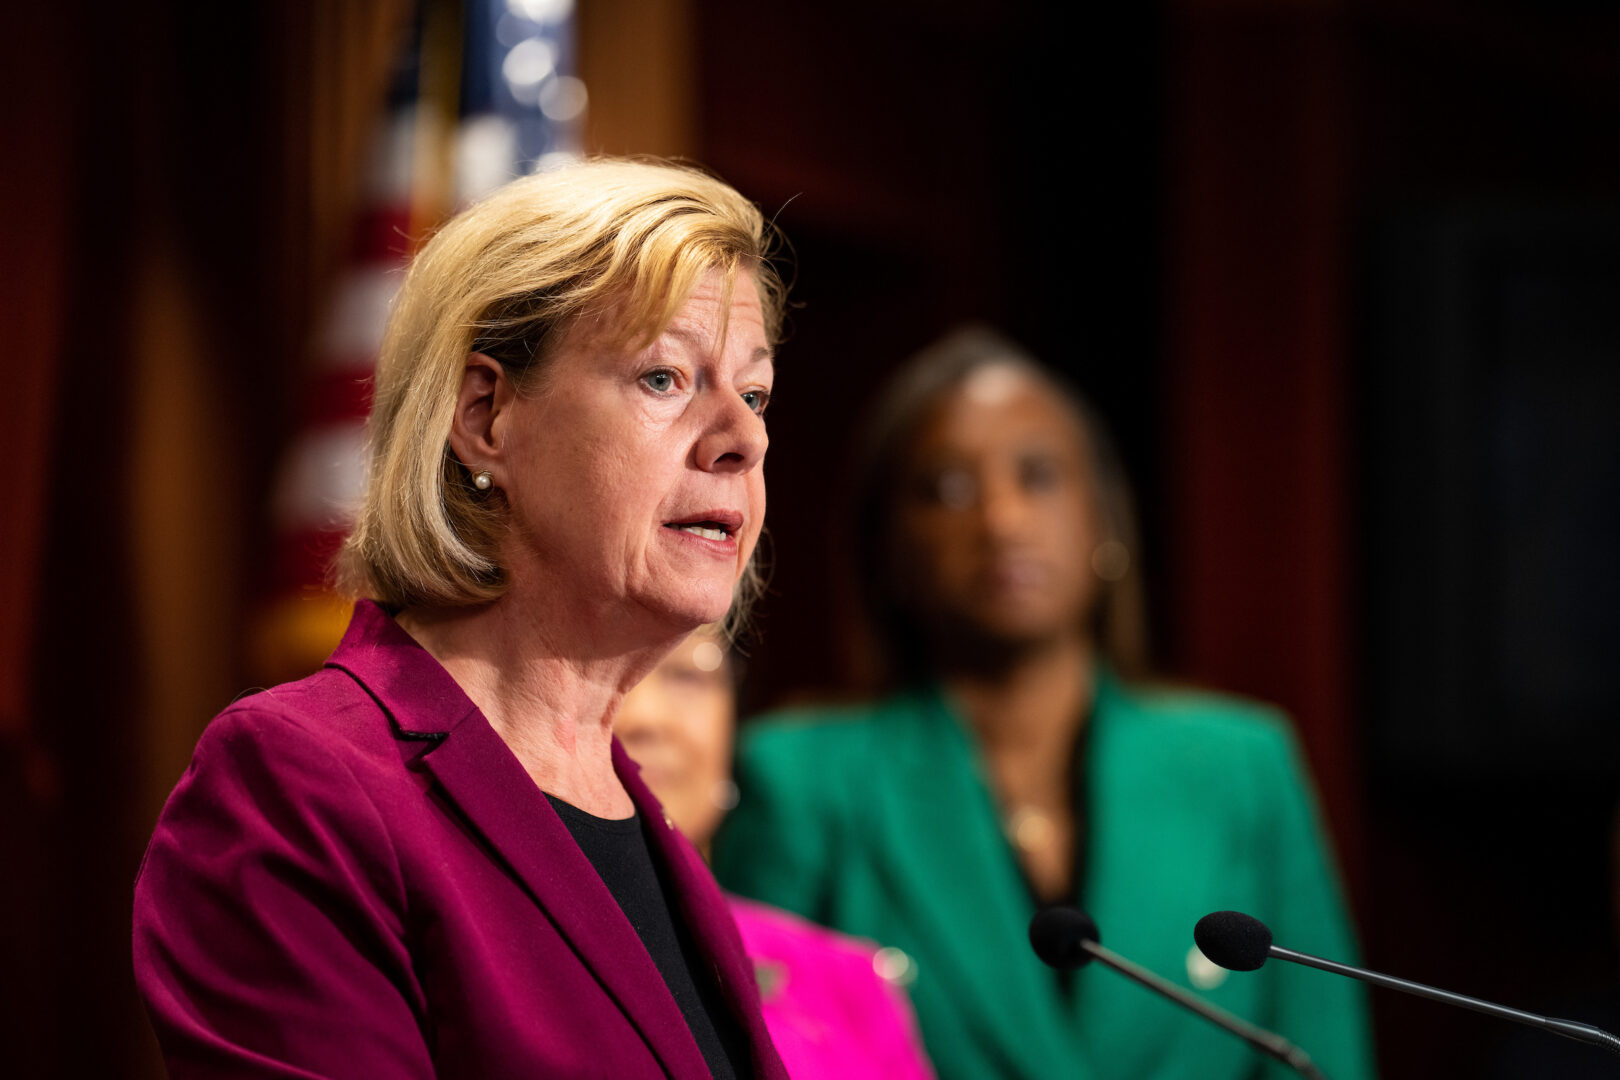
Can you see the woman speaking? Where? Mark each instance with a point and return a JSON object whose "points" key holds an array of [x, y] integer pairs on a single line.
{"points": [[431, 858]]}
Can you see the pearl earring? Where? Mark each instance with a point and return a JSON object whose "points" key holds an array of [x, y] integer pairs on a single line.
{"points": [[482, 480], [725, 794], [1111, 561]]}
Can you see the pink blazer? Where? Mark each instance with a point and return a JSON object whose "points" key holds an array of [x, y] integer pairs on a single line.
{"points": [[830, 1013], [357, 878]]}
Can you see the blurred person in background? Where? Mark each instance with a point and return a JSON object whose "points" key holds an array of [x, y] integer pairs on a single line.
{"points": [[430, 858], [1020, 759], [831, 1010]]}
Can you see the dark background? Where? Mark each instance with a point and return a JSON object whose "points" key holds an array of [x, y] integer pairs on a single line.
{"points": [[1341, 274]]}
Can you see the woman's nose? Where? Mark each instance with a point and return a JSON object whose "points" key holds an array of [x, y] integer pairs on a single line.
{"points": [[734, 438], [1003, 508]]}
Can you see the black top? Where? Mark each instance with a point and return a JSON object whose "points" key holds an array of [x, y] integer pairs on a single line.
{"points": [[619, 851]]}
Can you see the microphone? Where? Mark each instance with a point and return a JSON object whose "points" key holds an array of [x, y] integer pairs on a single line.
{"points": [[1241, 942], [1066, 938]]}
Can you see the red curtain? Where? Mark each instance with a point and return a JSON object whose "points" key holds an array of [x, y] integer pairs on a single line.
{"points": [[177, 193]]}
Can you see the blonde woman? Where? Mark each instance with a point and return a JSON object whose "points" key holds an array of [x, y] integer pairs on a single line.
{"points": [[431, 858]]}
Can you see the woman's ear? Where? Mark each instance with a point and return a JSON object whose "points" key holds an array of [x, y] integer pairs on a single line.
{"points": [[477, 430]]}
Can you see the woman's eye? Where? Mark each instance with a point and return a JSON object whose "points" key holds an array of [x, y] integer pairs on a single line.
{"points": [[659, 381], [757, 400], [953, 489], [1039, 474]]}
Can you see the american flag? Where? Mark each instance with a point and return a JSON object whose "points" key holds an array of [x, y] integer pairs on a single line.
{"points": [[483, 91]]}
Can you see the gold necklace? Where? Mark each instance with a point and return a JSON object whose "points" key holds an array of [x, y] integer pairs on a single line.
{"points": [[1029, 828]]}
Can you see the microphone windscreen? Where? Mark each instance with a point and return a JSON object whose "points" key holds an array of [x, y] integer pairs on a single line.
{"points": [[1233, 940], [1056, 934]]}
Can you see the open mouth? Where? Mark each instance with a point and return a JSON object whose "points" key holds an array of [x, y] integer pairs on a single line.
{"points": [[718, 526]]}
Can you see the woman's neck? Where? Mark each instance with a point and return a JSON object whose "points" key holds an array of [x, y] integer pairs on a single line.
{"points": [[1027, 716], [1035, 696], [550, 695], [1028, 712]]}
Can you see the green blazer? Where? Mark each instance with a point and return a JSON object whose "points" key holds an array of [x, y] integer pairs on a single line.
{"points": [[878, 820]]}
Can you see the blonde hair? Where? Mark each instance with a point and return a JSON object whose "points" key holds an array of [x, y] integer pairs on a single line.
{"points": [[507, 277]]}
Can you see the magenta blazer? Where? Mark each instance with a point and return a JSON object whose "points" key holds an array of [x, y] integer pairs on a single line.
{"points": [[357, 878]]}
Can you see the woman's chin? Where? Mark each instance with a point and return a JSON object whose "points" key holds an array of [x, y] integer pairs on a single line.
{"points": [[687, 613], [1014, 630], [1015, 612]]}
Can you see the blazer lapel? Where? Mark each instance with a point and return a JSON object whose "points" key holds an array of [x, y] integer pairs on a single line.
{"points": [[707, 916], [957, 883], [481, 776]]}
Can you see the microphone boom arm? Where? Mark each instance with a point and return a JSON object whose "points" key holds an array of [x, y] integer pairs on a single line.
{"points": [[1568, 1028], [1273, 1046]]}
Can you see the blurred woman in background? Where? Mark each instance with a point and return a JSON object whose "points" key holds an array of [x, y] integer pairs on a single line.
{"points": [[829, 1000], [1020, 760]]}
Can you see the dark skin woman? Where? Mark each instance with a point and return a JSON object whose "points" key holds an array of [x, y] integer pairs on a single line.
{"points": [[1018, 756]]}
